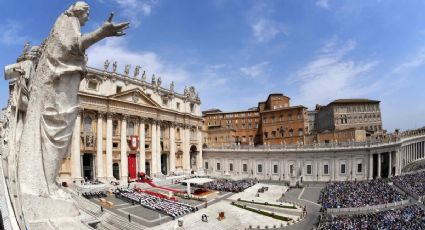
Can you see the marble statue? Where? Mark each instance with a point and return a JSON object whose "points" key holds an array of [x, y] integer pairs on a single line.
{"points": [[172, 86], [106, 65], [159, 82], [52, 111], [143, 78], [114, 67], [153, 79], [136, 71], [127, 70]]}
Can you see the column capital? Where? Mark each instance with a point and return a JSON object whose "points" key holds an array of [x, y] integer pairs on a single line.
{"points": [[101, 114], [109, 115], [125, 117], [143, 120], [80, 111], [173, 124]]}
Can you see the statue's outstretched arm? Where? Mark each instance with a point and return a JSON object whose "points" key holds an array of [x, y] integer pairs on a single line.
{"points": [[108, 29]]}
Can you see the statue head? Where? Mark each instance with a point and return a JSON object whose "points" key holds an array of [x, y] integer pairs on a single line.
{"points": [[81, 10]]}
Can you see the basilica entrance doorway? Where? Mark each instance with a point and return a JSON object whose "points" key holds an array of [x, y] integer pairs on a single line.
{"points": [[164, 163], [132, 171], [88, 162], [116, 171]]}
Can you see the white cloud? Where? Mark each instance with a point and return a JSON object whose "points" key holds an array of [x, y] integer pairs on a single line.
{"points": [[323, 3], [332, 75], [11, 33], [265, 30], [115, 49], [414, 62], [134, 10], [254, 71]]}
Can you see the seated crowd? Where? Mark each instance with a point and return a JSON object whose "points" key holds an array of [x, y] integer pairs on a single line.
{"points": [[164, 205], [412, 183], [410, 217], [229, 185], [350, 194], [89, 195]]}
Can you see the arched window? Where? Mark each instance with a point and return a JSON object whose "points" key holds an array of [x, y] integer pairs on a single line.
{"points": [[291, 132], [300, 132], [130, 128], [87, 124]]}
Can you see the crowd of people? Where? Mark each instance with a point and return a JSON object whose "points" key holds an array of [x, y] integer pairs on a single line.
{"points": [[90, 195], [229, 185], [167, 206], [409, 217], [413, 183], [350, 194]]}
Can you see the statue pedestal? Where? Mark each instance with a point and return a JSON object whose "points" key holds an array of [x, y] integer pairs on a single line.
{"points": [[50, 213]]}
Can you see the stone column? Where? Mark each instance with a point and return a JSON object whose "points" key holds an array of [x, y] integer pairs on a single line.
{"points": [[379, 165], [199, 140], [76, 147], [142, 150], [172, 148], [158, 147], [109, 174], [154, 156], [186, 149], [370, 166], [99, 147], [124, 157], [390, 165]]}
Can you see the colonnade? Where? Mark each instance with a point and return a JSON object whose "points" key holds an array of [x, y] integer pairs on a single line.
{"points": [[412, 152]]}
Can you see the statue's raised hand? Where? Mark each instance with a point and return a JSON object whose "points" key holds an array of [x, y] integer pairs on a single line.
{"points": [[111, 29], [108, 29]]}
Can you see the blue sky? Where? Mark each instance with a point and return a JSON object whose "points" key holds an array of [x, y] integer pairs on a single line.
{"points": [[237, 52]]}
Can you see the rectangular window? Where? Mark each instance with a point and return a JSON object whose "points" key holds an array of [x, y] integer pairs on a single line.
{"points": [[342, 168], [192, 107], [359, 168], [326, 169], [259, 168], [178, 105], [245, 167], [231, 167], [275, 169], [92, 85], [206, 165], [165, 101], [119, 88], [309, 170], [218, 166]]}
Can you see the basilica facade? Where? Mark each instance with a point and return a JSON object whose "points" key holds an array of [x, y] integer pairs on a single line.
{"points": [[127, 125]]}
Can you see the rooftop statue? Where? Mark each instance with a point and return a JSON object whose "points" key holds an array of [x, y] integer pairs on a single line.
{"points": [[127, 70], [52, 111], [106, 65], [114, 67], [143, 77], [136, 71]]}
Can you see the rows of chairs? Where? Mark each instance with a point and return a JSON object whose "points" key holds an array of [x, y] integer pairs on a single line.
{"points": [[166, 206]]}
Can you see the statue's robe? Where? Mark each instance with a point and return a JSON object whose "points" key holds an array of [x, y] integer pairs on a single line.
{"points": [[52, 108]]}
